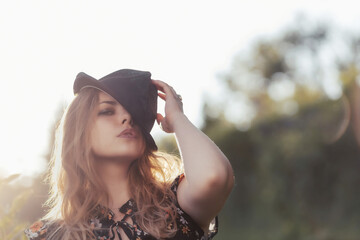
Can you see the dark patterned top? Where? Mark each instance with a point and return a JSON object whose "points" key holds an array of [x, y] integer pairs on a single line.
{"points": [[104, 227]]}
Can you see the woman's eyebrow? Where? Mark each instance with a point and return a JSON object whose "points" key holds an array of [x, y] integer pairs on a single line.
{"points": [[109, 102]]}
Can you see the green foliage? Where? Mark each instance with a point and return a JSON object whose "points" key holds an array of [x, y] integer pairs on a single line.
{"points": [[297, 172], [290, 182], [11, 227], [168, 144]]}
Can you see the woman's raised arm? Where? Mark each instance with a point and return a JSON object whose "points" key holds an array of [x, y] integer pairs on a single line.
{"points": [[209, 176]]}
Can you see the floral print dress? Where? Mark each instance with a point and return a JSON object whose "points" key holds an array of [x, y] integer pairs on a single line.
{"points": [[104, 227]]}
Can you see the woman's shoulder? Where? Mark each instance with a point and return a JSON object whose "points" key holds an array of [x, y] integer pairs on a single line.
{"points": [[41, 229], [37, 230], [175, 183]]}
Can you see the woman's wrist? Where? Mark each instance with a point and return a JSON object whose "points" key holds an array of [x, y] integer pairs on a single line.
{"points": [[178, 121]]}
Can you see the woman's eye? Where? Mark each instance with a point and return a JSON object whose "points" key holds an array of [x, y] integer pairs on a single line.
{"points": [[106, 112]]}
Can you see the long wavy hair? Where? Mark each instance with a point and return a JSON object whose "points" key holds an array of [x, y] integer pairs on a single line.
{"points": [[76, 190]]}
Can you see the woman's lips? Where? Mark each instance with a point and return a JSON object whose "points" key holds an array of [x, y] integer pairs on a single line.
{"points": [[128, 133], [126, 136]]}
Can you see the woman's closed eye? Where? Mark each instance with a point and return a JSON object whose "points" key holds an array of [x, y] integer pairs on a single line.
{"points": [[106, 112]]}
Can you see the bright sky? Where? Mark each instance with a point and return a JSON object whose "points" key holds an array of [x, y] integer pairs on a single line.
{"points": [[186, 43]]}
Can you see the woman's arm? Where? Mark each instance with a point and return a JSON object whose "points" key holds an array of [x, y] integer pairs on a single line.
{"points": [[208, 174]]}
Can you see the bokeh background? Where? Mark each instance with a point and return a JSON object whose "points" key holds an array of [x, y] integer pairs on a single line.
{"points": [[273, 83]]}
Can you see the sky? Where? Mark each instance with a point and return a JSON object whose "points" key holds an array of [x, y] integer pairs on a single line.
{"points": [[187, 44]]}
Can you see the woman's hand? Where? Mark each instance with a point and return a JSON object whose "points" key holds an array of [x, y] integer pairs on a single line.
{"points": [[173, 106]]}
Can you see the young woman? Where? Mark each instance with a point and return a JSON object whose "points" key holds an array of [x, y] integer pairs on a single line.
{"points": [[108, 181]]}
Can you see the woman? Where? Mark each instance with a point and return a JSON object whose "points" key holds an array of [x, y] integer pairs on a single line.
{"points": [[108, 181]]}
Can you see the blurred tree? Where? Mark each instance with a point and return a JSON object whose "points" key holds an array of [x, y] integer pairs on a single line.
{"points": [[11, 228], [33, 208], [279, 75], [21, 204], [296, 165], [283, 123]]}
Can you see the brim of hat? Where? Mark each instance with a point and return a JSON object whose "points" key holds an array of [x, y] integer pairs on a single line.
{"points": [[84, 80]]}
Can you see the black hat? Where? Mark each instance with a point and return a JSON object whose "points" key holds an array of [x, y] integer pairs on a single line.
{"points": [[133, 90]]}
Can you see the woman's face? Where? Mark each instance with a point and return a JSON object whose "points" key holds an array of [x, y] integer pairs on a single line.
{"points": [[111, 119]]}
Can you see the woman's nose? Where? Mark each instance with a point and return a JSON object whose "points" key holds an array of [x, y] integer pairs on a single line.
{"points": [[126, 119]]}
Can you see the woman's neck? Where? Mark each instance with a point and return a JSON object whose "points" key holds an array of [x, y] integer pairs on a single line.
{"points": [[115, 177]]}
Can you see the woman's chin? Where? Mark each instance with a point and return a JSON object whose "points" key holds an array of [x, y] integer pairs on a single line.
{"points": [[116, 157]]}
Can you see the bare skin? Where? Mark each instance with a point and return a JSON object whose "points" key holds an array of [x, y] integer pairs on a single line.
{"points": [[114, 154], [208, 173]]}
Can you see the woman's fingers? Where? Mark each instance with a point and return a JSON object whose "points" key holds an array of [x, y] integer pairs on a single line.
{"points": [[162, 96], [159, 84], [165, 88], [159, 87], [162, 86], [159, 118], [173, 105]]}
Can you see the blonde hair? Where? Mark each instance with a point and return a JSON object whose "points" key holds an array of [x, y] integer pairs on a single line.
{"points": [[76, 189]]}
